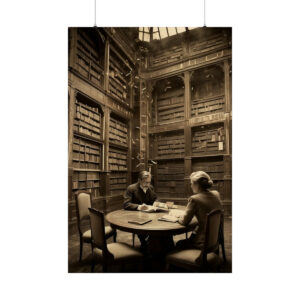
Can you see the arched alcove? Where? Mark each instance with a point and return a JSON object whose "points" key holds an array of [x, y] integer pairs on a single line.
{"points": [[168, 100], [207, 91]]}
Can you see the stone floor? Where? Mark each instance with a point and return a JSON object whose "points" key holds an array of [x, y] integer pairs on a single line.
{"points": [[85, 265]]}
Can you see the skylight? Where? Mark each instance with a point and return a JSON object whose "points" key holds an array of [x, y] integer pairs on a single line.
{"points": [[158, 33]]}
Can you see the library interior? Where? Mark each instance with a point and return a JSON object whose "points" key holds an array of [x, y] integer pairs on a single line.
{"points": [[158, 100]]}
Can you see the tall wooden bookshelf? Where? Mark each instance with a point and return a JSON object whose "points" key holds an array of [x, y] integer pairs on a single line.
{"points": [[100, 116], [90, 56], [190, 119]]}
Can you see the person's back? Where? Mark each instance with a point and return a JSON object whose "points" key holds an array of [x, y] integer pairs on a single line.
{"points": [[199, 205]]}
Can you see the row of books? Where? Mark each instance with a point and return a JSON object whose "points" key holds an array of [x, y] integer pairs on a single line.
{"points": [[89, 120], [214, 169], [113, 153], [86, 157], [167, 56], [87, 165], [85, 184], [212, 43], [115, 161], [120, 95], [80, 124], [87, 44], [170, 144], [83, 130], [161, 103], [170, 179], [82, 176], [200, 107], [89, 70], [117, 167], [90, 111], [118, 126], [210, 139], [85, 149], [118, 182], [117, 139]]}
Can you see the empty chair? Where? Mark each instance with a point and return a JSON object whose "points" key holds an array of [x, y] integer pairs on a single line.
{"points": [[109, 254], [202, 259], [83, 203]]}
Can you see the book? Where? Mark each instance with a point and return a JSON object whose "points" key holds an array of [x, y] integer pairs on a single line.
{"points": [[139, 220], [151, 208], [168, 218]]}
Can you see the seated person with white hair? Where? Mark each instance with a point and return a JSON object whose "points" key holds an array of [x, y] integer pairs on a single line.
{"points": [[201, 203]]}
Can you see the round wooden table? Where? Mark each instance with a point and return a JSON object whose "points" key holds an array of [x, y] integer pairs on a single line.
{"points": [[119, 220]]}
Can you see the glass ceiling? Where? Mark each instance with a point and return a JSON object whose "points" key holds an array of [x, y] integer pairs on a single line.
{"points": [[158, 33]]}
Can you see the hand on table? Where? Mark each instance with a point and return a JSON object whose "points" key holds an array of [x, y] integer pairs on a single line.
{"points": [[142, 207], [145, 207]]}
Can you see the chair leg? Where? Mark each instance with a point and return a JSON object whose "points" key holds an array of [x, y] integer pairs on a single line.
{"points": [[93, 266], [223, 250], [81, 246], [104, 267], [115, 237], [167, 267], [133, 238]]}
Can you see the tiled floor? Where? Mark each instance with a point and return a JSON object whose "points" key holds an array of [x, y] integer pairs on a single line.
{"points": [[85, 265]]}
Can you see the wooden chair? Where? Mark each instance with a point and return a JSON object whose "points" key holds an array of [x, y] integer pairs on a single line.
{"points": [[84, 201], [201, 260], [109, 254]]}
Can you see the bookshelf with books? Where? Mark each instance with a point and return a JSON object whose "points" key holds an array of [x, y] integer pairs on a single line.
{"points": [[170, 145], [207, 91], [120, 72], [168, 103], [88, 119], [166, 56], [170, 179], [118, 183], [118, 131], [90, 55], [214, 40], [118, 170], [208, 139], [87, 146]]}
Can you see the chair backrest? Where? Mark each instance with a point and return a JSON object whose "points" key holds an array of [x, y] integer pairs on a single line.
{"points": [[83, 203], [212, 230], [98, 229]]}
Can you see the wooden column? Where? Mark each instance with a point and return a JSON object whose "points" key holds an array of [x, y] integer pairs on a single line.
{"points": [[227, 201], [105, 176], [227, 86], [106, 64], [129, 153], [73, 47], [187, 134], [72, 98], [143, 126]]}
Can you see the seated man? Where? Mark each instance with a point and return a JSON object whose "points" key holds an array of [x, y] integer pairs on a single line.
{"points": [[138, 196]]}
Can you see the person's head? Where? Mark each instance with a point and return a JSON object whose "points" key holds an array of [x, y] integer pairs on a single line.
{"points": [[144, 179], [200, 181]]}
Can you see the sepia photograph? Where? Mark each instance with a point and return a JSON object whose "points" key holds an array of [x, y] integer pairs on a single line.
{"points": [[149, 149], [125, 173]]}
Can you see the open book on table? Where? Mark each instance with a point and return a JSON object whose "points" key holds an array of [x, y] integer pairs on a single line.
{"points": [[173, 216], [151, 208]]}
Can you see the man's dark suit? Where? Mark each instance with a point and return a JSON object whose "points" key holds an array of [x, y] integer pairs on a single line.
{"points": [[135, 196]]}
